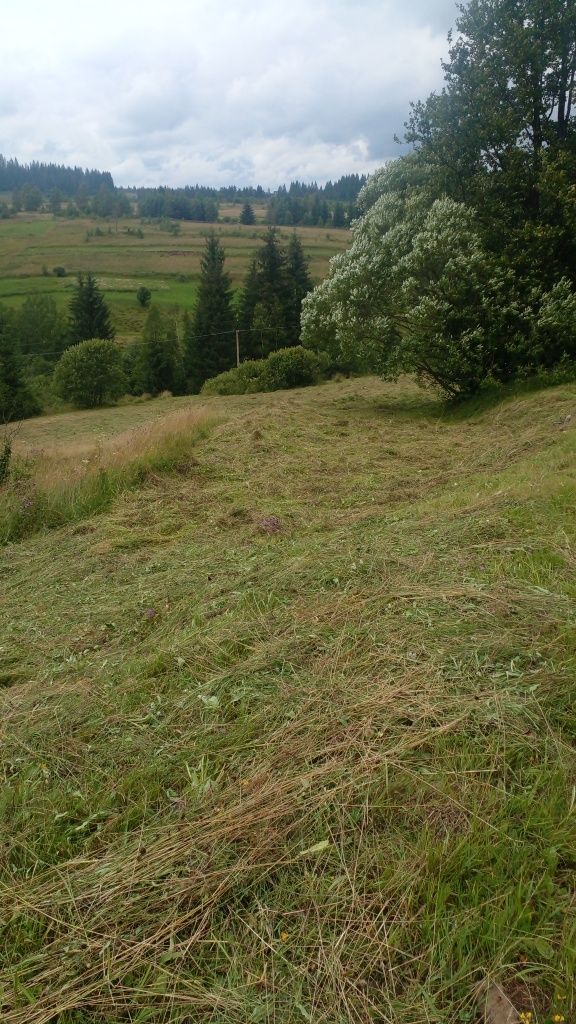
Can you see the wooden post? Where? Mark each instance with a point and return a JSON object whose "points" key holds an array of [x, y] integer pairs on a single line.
{"points": [[237, 348]]}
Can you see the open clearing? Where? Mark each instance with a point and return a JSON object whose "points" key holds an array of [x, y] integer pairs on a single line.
{"points": [[31, 245], [288, 735]]}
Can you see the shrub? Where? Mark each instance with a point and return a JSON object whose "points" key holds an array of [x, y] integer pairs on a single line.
{"points": [[287, 368], [291, 368], [90, 373], [554, 335]]}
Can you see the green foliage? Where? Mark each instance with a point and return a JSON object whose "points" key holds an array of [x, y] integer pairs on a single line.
{"points": [[89, 316], [294, 367], [5, 457], [143, 296], [157, 360], [16, 400], [555, 326], [40, 330], [287, 368], [247, 215], [463, 264], [90, 373], [210, 334], [270, 305]]}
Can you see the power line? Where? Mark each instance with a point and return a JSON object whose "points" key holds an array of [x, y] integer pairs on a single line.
{"points": [[200, 337]]}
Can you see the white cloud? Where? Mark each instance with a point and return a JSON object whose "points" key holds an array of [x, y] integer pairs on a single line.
{"points": [[244, 91]]}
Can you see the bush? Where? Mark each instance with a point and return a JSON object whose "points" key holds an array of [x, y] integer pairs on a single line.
{"points": [[554, 333], [287, 368], [90, 373], [292, 368]]}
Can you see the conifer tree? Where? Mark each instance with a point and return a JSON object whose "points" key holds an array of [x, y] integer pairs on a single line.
{"points": [[273, 294], [89, 316], [210, 337], [275, 285], [299, 284], [16, 401], [160, 359], [247, 216], [248, 302]]}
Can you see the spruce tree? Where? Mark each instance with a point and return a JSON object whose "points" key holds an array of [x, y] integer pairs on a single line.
{"points": [[16, 401], [249, 347], [247, 216], [160, 362], [210, 341], [274, 297], [299, 284], [275, 285], [89, 316]]}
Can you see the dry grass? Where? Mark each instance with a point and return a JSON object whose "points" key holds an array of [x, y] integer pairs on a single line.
{"points": [[65, 482], [324, 773]]}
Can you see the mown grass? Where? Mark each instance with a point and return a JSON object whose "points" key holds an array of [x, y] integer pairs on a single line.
{"points": [[290, 737], [48, 488]]}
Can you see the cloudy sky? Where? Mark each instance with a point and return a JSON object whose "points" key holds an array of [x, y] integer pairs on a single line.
{"points": [[216, 91]]}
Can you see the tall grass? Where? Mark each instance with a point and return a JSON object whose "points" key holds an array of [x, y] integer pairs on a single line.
{"points": [[48, 488]]}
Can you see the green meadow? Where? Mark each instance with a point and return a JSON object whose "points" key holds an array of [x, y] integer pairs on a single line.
{"points": [[32, 245]]}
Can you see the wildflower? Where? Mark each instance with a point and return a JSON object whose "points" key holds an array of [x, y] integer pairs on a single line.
{"points": [[558, 1018], [285, 936]]}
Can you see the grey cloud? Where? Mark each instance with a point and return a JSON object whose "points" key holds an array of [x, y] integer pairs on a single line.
{"points": [[241, 92]]}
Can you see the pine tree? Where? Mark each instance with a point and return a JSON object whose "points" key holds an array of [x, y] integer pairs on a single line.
{"points": [[247, 216], [249, 343], [339, 216], [16, 401], [210, 341], [89, 316], [274, 293], [160, 360], [299, 284]]}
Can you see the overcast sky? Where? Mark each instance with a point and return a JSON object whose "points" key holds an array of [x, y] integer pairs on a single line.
{"points": [[216, 91]]}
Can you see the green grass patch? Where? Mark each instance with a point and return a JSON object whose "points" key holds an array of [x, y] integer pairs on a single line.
{"points": [[289, 735]]}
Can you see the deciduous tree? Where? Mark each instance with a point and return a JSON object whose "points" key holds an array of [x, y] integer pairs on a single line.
{"points": [[90, 373]]}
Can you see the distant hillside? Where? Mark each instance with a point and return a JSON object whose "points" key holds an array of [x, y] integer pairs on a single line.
{"points": [[48, 177]]}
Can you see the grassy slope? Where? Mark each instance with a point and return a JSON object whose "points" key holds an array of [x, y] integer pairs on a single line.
{"points": [[317, 767], [168, 265]]}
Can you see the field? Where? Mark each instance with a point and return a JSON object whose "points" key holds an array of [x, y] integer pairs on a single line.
{"points": [[31, 245], [288, 728]]}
